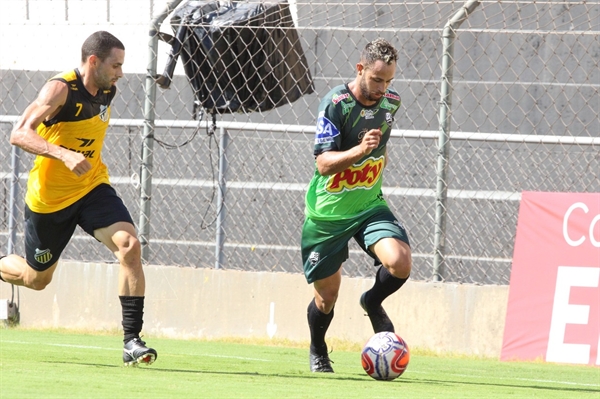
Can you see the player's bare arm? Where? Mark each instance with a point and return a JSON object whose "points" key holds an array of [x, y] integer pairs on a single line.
{"points": [[332, 162], [24, 135]]}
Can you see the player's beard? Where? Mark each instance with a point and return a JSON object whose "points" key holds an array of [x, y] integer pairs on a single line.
{"points": [[364, 91], [103, 82]]}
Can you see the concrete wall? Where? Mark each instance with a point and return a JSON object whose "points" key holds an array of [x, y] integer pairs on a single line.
{"points": [[206, 303]]}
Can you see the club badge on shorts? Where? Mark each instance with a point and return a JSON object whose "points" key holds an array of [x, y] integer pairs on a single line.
{"points": [[42, 256]]}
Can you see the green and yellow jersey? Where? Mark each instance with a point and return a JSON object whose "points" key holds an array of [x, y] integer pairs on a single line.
{"points": [[341, 124], [80, 125]]}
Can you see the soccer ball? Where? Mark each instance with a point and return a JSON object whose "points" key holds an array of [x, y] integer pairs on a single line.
{"points": [[385, 356]]}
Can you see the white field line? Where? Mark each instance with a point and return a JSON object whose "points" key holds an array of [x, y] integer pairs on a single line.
{"points": [[116, 349], [487, 377]]}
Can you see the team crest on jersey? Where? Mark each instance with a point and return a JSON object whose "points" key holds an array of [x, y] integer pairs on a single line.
{"points": [[42, 256], [326, 131], [389, 119], [103, 113]]}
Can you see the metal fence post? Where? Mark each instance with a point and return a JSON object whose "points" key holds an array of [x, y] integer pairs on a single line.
{"points": [[148, 132], [221, 209], [448, 37], [15, 155]]}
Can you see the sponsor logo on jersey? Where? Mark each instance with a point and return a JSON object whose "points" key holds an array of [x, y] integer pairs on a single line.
{"points": [[85, 142], [326, 131], [336, 99], [385, 104], [392, 96], [85, 153], [361, 135], [363, 176], [42, 255], [368, 113], [347, 106], [103, 113]]}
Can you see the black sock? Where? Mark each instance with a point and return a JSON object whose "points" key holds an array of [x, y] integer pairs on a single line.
{"points": [[133, 313], [318, 322], [385, 285]]}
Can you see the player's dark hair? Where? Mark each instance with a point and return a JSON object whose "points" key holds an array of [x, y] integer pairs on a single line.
{"points": [[379, 50], [100, 44]]}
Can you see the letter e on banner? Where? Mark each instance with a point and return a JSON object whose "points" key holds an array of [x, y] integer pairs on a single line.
{"points": [[553, 310]]}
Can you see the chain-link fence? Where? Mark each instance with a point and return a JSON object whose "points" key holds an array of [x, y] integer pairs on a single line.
{"points": [[520, 110]]}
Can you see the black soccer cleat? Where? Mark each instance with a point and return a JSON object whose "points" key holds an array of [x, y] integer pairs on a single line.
{"points": [[379, 319], [135, 352], [320, 363]]}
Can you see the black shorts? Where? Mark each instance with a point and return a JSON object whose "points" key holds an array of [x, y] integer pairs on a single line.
{"points": [[47, 234]]}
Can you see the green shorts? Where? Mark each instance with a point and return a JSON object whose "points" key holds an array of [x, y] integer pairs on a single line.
{"points": [[324, 243]]}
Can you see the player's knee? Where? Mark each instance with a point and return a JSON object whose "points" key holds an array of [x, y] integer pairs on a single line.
{"points": [[326, 302], [37, 283], [129, 246], [400, 266]]}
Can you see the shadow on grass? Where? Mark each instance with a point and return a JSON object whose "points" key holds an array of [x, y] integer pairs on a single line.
{"points": [[489, 384], [357, 377], [212, 372]]}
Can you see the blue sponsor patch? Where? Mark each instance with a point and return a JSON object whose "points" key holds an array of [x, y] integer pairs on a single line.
{"points": [[326, 131]]}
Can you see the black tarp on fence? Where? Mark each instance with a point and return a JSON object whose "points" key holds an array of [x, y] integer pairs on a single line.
{"points": [[238, 57]]}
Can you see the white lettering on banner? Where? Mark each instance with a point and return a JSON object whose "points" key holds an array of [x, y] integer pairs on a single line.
{"points": [[580, 240], [595, 242], [564, 313]]}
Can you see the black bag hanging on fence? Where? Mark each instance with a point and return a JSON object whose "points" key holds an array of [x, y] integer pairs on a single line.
{"points": [[238, 57]]}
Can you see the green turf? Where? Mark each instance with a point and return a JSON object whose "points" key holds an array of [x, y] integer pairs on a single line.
{"points": [[60, 364]]}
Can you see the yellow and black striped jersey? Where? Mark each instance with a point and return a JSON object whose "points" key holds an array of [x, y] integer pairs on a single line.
{"points": [[80, 125]]}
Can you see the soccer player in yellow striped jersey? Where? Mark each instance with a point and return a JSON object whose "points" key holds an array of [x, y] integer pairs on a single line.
{"points": [[68, 184]]}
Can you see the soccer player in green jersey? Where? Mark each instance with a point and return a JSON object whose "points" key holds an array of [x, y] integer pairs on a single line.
{"points": [[344, 198]]}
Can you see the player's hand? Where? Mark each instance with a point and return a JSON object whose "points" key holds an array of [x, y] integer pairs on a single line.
{"points": [[76, 162], [370, 141]]}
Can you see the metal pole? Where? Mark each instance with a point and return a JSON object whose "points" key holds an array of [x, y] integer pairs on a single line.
{"points": [[15, 155], [448, 37], [220, 226], [148, 132]]}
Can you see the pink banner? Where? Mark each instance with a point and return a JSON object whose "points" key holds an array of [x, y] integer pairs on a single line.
{"points": [[554, 299]]}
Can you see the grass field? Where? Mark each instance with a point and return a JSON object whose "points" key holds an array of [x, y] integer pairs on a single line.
{"points": [[62, 364]]}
